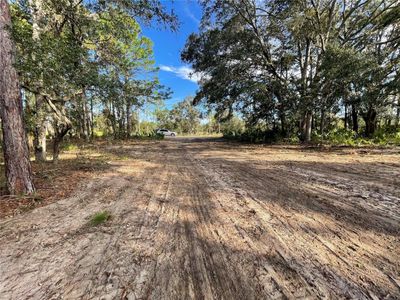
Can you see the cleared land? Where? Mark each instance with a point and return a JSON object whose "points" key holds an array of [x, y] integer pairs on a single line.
{"points": [[205, 219]]}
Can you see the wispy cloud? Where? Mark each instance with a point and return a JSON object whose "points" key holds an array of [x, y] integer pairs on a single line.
{"points": [[183, 72], [190, 14]]}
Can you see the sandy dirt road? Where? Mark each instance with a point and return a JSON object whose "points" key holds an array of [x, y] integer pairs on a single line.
{"points": [[205, 219]]}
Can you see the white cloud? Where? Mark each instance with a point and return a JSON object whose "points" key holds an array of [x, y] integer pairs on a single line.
{"points": [[191, 15], [183, 72], [166, 68]]}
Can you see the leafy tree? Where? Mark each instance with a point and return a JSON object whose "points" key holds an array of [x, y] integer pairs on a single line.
{"points": [[277, 62], [184, 117]]}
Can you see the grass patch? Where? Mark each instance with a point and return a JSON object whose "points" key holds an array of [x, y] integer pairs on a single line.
{"points": [[69, 146], [100, 218]]}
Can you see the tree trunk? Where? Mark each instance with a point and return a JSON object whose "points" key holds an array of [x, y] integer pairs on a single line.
{"points": [[283, 124], [370, 122], [39, 142], [398, 112], [307, 127], [91, 118], [138, 123], [346, 120], [85, 117], [61, 126], [322, 126], [40, 119], [354, 117], [128, 120], [16, 154], [40, 130], [60, 132]]}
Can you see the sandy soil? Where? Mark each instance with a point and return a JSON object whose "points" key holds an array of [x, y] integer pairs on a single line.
{"points": [[204, 219]]}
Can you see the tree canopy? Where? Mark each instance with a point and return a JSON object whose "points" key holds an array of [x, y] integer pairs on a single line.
{"points": [[74, 58], [293, 64]]}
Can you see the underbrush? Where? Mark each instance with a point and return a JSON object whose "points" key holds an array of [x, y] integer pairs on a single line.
{"points": [[255, 135], [343, 137], [335, 137], [152, 136]]}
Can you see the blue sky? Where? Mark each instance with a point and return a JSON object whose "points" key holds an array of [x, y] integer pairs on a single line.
{"points": [[168, 45]]}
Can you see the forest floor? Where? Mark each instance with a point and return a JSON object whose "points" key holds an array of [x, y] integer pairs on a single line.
{"points": [[206, 219]]}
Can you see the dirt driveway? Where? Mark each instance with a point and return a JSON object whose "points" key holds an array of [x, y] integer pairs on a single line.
{"points": [[204, 219]]}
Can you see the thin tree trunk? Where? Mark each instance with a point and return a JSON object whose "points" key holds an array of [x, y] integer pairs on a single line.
{"points": [[61, 126], [40, 142], [60, 132], [283, 124], [398, 112], [128, 119], [91, 118], [85, 116], [354, 116], [138, 123], [40, 107], [346, 119], [307, 126], [322, 126], [16, 154], [40, 130]]}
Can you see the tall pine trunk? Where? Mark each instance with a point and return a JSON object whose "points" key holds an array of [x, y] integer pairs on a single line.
{"points": [[15, 146]]}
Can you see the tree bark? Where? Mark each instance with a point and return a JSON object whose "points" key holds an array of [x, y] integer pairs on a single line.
{"points": [[91, 119], [16, 154], [283, 124], [40, 107], [40, 130], [60, 132], [85, 116], [307, 127], [370, 121], [398, 112], [61, 127], [354, 117], [128, 119], [322, 126]]}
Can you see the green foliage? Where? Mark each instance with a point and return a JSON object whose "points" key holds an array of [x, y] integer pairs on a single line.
{"points": [[72, 58], [183, 118], [233, 127], [343, 137], [338, 137], [387, 136], [285, 63], [100, 218]]}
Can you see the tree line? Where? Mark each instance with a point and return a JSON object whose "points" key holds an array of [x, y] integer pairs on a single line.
{"points": [[59, 60], [292, 67]]}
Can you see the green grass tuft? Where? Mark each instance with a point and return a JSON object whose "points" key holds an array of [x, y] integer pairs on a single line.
{"points": [[100, 218]]}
